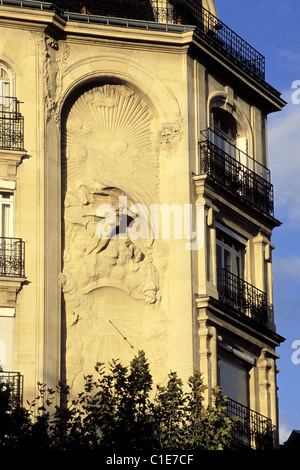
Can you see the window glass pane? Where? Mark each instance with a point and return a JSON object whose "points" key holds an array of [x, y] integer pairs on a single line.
{"points": [[3, 73], [237, 265], [227, 260], [218, 234], [224, 128], [5, 229], [229, 254], [219, 257], [234, 381], [4, 86]]}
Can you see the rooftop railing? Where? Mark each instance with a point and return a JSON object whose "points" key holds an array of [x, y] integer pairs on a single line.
{"points": [[252, 429], [245, 299], [12, 257], [181, 12], [184, 12], [236, 177], [11, 124]]}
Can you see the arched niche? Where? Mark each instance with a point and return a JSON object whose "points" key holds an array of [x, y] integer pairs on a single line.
{"points": [[107, 127], [109, 157], [118, 69]]}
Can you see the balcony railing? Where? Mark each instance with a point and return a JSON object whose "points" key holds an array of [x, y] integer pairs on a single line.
{"points": [[236, 177], [245, 299], [252, 429], [11, 124], [222, 140], [12, 383], [12, 257], [183, 12]]}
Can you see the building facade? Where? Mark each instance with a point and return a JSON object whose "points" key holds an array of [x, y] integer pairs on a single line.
{"points": [[136, 200]]}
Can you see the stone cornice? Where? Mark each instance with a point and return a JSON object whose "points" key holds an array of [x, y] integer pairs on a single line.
{"points": [[215, 311], [9, 161], [23, 18], [237, 207]]}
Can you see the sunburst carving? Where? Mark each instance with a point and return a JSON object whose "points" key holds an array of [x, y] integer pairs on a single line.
{"points": [[108, 136]]}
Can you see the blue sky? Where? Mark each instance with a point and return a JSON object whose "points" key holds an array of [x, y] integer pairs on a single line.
{"points": [[272, 27]]}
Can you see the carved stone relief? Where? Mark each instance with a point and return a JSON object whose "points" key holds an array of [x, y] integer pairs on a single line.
{"points": [[170, 134], [109, 166], [54, 64]]}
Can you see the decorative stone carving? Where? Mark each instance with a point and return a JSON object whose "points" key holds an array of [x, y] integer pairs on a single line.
{"points": [[109, 179], [9, 162], [54, 66], [94, 253], [107, 145], [109, 136], [170, 134]]}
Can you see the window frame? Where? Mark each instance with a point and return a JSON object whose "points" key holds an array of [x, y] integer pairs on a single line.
{"points": [[238, 365], [234, 247], [7, 231], [7, 88]]}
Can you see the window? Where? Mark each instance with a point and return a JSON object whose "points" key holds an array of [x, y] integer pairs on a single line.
{"points": [[230, 253], [224, 131], [5, 89], [11, 121], [6, 214], [4, 82], [228, 136], [233, 378], [230, 269]]}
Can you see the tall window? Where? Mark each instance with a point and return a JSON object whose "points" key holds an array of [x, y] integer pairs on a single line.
{"points": [[228, 136], [5, 88], [6, 214], [4, 82], [224, 131], [230, 253], [233, 378]]}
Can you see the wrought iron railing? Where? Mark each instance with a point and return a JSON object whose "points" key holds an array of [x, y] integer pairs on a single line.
{"points": [[184, 12], [11, 124], [236, 177], [222, 140], [188, 12], [12, 383], [244, 298], [12, 257], [252, 429]]}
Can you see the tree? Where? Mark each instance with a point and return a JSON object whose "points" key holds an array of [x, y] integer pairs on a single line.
{"points": [[183, 422], [115, 412]]}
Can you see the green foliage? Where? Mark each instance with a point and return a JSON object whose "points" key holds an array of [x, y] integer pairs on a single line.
{"points": [[114, 411]]}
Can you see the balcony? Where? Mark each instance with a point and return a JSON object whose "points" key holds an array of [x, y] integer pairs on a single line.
{"points": [[11, 124], [12, 257], [253, 429], [12, 383], [246, 300], [249, 181], [179, 12]]}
